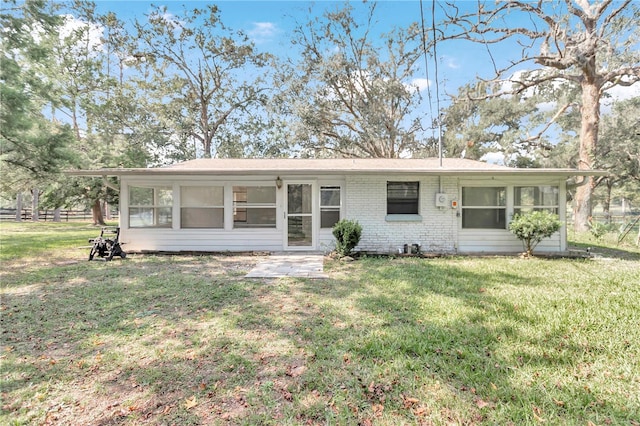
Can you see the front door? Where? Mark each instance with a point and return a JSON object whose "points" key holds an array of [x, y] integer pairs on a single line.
{"points": [[299, 216]]}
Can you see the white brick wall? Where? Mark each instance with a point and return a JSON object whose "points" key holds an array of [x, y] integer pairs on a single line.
{"points": [[366, 202]]}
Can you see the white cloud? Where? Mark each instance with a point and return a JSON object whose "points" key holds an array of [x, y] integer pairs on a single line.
{"points": [[420, 83], [86, 36], [450, 62], [493, 158], [547, 106], [262, 32], [620, 93]]}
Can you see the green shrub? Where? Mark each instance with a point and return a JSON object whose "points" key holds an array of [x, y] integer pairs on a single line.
{"points": [[347, 234], [599, 229], [533, 227]]}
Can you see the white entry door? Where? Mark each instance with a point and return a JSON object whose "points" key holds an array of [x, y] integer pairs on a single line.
{"points": [[299, 216]]}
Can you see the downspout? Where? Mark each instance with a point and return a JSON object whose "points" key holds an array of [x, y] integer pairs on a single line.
{"points": [[440, 153], [109, 184]]}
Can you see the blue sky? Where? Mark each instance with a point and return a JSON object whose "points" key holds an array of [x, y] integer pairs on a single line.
{"points": [[270, 23]]}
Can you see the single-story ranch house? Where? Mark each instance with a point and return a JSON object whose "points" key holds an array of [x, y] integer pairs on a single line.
{"points": [[457, 206]]}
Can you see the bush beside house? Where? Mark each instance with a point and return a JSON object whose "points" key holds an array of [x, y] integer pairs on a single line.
{"points": [[533, 227], [347, 233]]}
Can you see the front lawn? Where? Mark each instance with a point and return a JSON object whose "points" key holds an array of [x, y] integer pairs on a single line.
{"points": [[188, 340]]}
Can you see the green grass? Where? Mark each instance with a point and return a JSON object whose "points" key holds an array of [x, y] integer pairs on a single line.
{"points": [[21, 239], [187, 340]]}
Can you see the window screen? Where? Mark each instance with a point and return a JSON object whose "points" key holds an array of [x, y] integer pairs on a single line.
{"points": [[402, 197]]}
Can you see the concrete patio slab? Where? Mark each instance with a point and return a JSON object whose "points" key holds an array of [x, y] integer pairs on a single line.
{"points": [[296, 264]]}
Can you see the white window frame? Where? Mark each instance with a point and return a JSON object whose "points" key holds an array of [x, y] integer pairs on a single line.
{"points": [[236, 205], [465, 208], [154, 207], [326, 207], [553, 208], [201, 206]]}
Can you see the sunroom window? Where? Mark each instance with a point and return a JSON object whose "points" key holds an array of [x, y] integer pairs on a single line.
{"points": [[532, 198], [202, 207], [150, 206], [329, 206], [484, 207], [254, 206]]}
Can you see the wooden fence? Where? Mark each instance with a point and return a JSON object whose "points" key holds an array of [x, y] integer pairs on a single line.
{"points": [[48, 215]]}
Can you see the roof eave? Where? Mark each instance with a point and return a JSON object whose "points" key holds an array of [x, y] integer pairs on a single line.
{"points": [[265, 171]]}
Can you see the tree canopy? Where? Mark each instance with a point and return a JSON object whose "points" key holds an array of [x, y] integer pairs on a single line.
{"points": [[199, 74], [590, 45], [28, 140], [359, 89]]}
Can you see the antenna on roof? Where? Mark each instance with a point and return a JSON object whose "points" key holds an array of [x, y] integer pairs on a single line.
{"points": [[426, 63], [435, 62]]}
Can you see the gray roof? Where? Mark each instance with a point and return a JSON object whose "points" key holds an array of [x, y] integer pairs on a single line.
{"points": [[295, 166]]}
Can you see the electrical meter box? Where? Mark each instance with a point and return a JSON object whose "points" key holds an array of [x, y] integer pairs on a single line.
{"points": [[442, 200]]}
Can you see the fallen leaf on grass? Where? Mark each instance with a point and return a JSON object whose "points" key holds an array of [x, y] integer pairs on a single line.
{"points": [[558, 402], [190, 402], [409, 402], [481, 403], [377, 410], [537, 414], [296, 371], [286, 395], [420, 411]]}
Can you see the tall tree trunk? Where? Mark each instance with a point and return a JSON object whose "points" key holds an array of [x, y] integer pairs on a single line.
{"points": [[56, 215], [19, 207], [96, 211], [588, 140], [35, 204]]}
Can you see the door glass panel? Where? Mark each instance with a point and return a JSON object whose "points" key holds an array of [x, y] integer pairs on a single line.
{"points": [[299, 199], [299, 230], [299, 215]]}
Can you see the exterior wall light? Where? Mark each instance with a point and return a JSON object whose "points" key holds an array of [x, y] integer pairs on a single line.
{"points": [[278, 182]]}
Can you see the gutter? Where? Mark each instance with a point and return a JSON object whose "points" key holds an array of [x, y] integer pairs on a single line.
{"points": [[257, 172]]}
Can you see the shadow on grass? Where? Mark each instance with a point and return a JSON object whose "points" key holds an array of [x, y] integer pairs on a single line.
{"points": [[444, 322], [602, 250], [187, 340]]}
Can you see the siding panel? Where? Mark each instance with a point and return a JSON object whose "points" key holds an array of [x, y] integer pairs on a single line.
{"points": [[201, 240], [500, 241]]}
